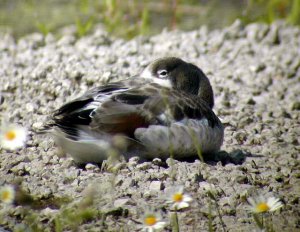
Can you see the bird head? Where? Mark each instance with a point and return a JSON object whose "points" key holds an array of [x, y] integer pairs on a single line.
{"points": [[172, 72]]}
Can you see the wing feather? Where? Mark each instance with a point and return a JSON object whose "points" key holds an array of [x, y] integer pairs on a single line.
{"points": [[119, 108]]}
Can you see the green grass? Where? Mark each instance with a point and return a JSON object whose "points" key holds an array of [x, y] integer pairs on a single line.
{"points": [[268, 11], [130, 18], [126, 18]]}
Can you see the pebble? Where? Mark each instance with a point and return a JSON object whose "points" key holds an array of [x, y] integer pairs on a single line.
{"points": [[157, 161], [92, 167], [121, 202], [156, 186], [144, 166]]}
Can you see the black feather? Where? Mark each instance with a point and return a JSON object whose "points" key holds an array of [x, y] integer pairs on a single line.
{"points": [[131, 99]]}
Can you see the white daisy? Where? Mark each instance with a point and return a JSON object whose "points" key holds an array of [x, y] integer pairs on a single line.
{"points": [[262, 204], [13, 137], [152, 222], [7, 194], [178, 199]]}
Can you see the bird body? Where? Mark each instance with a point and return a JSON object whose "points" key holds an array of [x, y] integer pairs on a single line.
{"points": [[167, 109]]}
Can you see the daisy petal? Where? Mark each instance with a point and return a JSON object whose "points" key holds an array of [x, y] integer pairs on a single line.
{"points": [[187, 198], [182, 205], [262, 204], [13, 137]]}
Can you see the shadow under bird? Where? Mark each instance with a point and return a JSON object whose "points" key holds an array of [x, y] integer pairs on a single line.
{"points": [[166, 110]]}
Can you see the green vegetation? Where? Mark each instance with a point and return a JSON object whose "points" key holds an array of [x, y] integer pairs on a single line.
{"points": [[132, 17], [270, 10]]}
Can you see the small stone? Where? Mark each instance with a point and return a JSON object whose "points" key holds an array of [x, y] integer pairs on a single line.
{"points": [[106, 76], [121, 202], [256, 32], [46, 192], [144, 166], [156, 186], [75, 74], [133, 161], [273, 36], [91, 167], [157, 161], [240, 136], [67, 163], [207, 187], [37, 125], [257, 68], [75, 183], [171, 162], [29, 107], [19, 169]]}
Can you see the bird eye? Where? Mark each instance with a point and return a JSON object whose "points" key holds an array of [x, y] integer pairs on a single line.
{"points": [[162, 73]]}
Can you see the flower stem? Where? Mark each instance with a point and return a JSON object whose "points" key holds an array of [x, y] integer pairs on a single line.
{"points": [[175, 223]]}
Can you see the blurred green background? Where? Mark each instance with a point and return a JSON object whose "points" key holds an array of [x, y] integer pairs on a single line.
{"points": [[129, 18]]}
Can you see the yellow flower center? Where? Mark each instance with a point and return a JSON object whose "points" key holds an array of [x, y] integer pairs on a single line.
{"points": [[5, 196], [150, 220], [177, 197], [10, 135], [262, 207]]}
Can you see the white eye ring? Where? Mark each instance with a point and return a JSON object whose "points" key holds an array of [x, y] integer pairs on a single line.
{"points": [[162, 73]]}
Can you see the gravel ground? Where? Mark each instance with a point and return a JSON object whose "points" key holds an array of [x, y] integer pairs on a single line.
{"points": [[255, 73]]}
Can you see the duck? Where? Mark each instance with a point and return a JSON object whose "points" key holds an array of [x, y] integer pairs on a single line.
{"points": [[165, 111]]}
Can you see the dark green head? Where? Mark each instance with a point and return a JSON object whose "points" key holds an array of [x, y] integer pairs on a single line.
{"points": [[172, 72]]}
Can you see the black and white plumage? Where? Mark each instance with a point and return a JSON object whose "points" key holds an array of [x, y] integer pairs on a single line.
{"points": [[168, 108]]}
